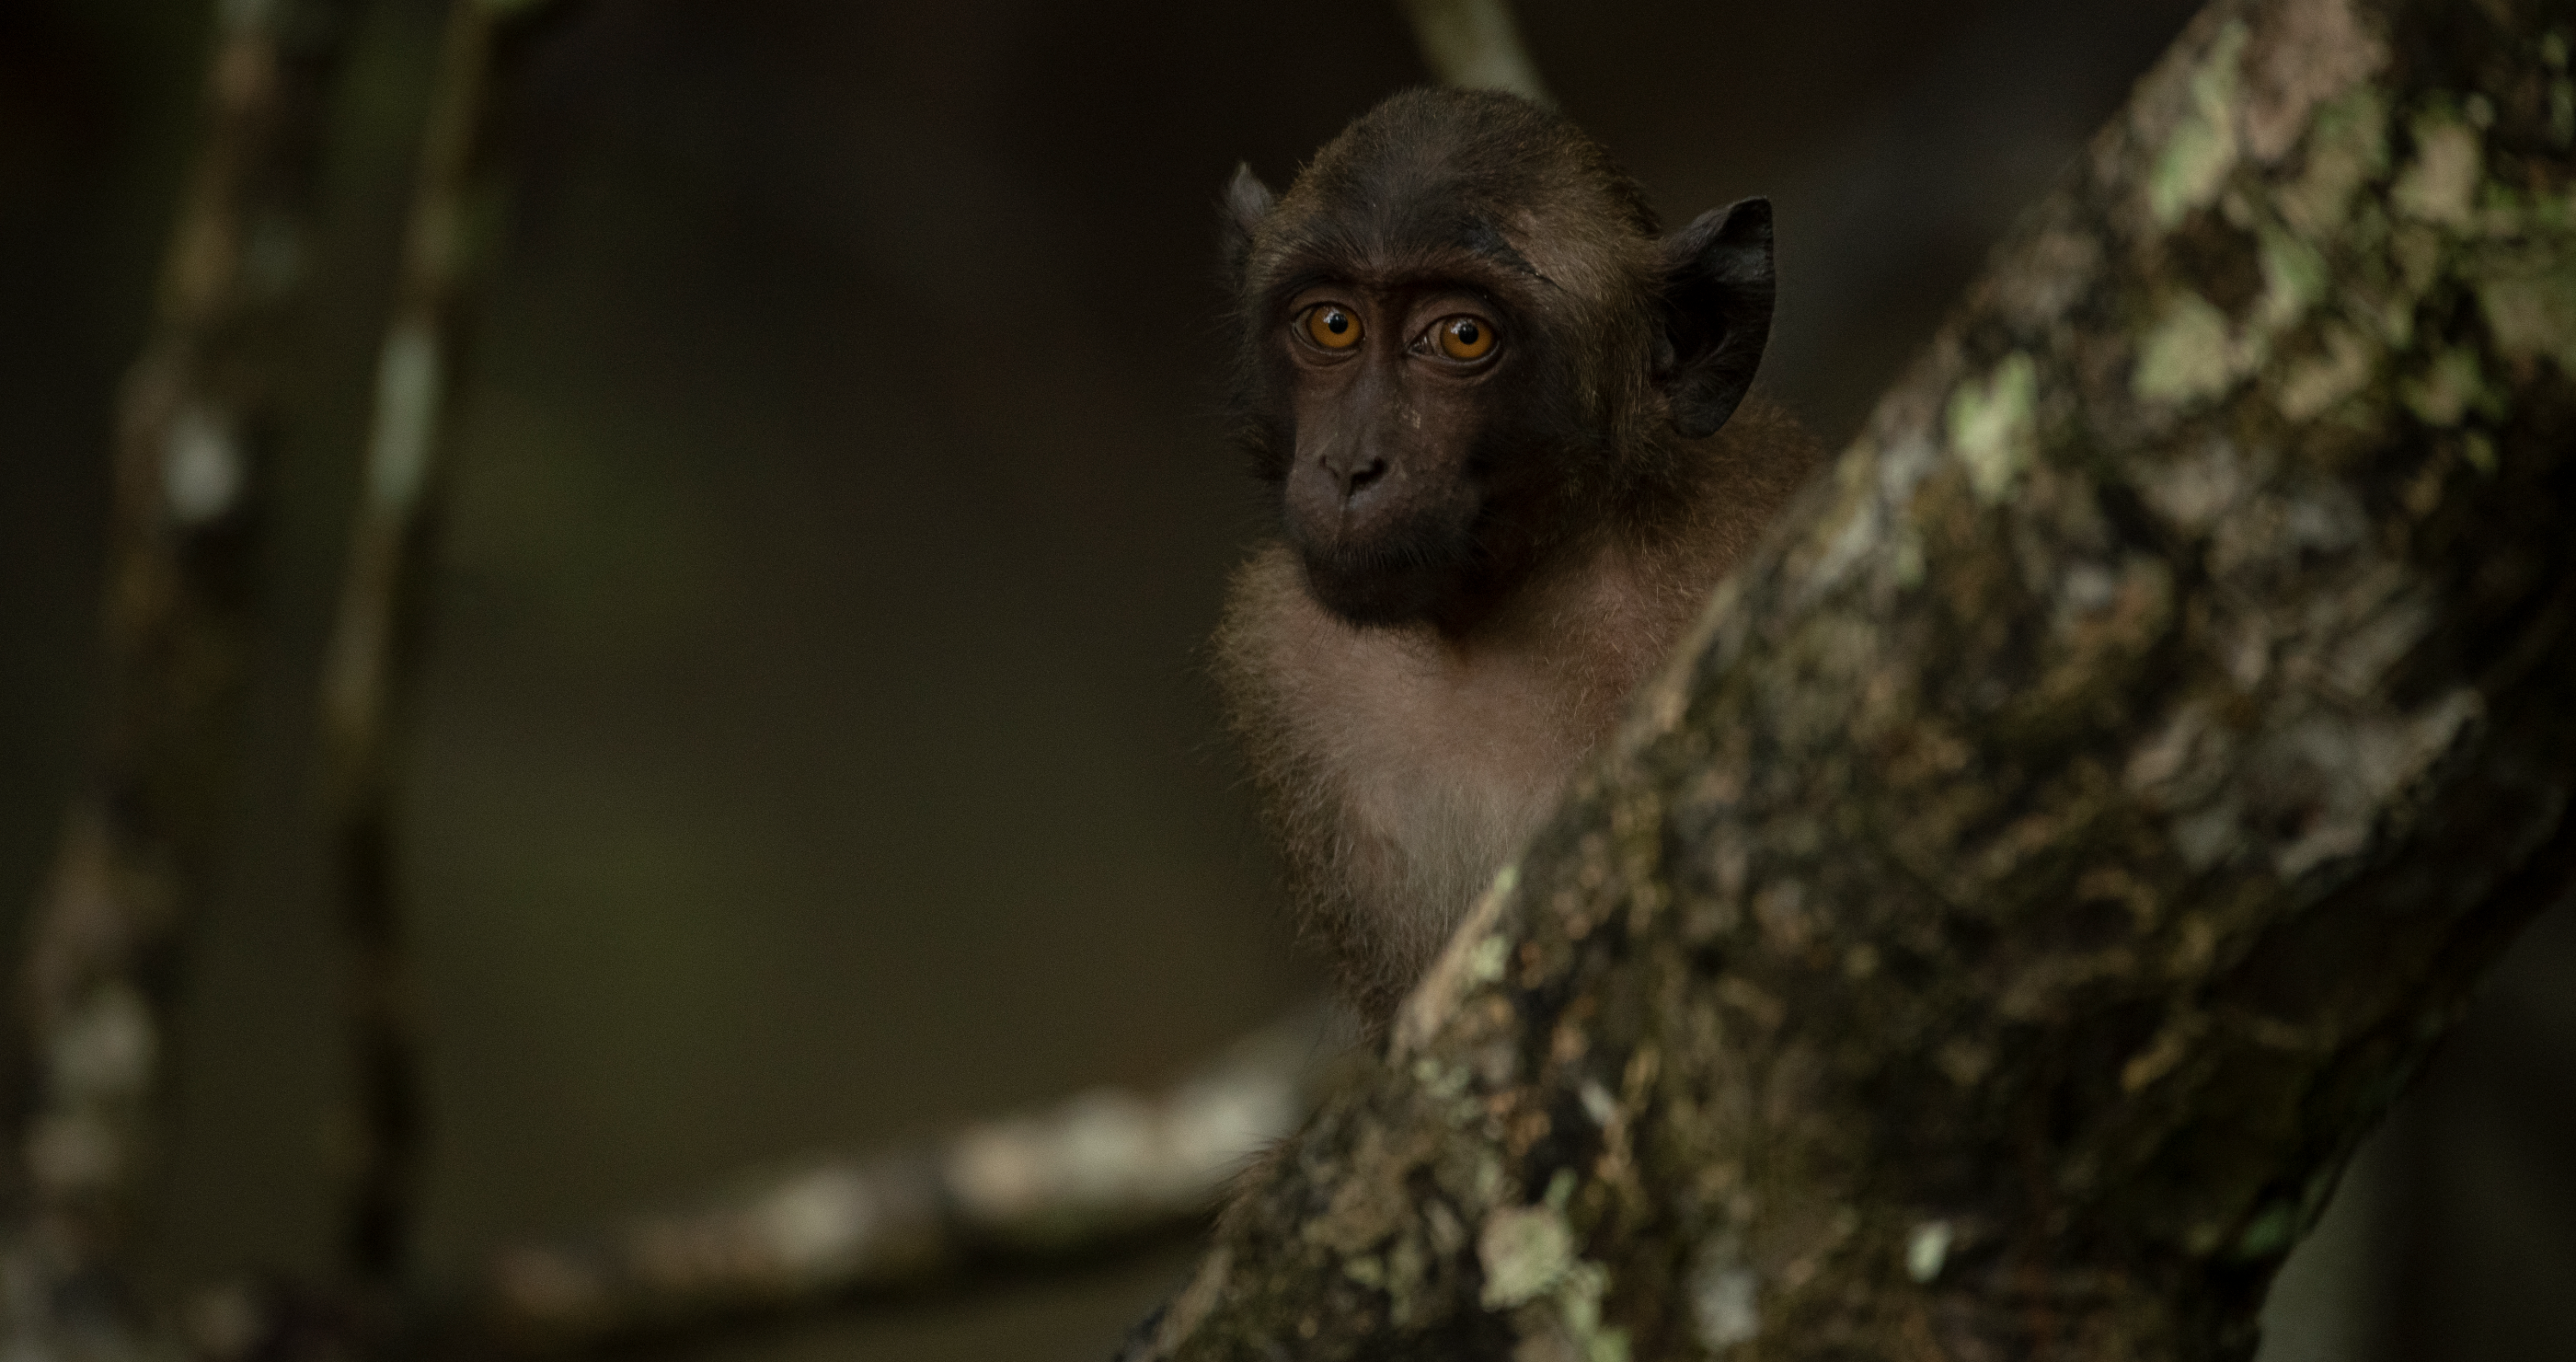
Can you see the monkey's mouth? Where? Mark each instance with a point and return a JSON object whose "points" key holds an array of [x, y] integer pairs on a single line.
{"points": [[1419, 571]]}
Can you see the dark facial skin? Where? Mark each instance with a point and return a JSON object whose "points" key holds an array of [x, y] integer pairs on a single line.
{"points": [[1392, 390], [1441, 415]]}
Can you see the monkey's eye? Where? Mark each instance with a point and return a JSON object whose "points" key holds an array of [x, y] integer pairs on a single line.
{"points": [[1465, 337], [1332, 326]]}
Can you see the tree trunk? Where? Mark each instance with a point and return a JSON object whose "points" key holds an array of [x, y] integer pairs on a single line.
{"points": [[2051, 855], [199, 415]]}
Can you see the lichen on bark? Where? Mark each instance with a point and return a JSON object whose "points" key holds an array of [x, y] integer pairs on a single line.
{"points": [[2050, 855]]}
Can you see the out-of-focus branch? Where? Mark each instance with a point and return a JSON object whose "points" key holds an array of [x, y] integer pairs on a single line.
{"points": [[196, 418], [1475, 44], [1106, 1170], [370, 658]]}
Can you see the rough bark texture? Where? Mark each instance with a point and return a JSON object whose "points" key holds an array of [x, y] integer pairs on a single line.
{"points": [[2048, 859], [198, 415]]}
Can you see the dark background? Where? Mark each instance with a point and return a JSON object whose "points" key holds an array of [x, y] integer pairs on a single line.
{"points": [[815, 749]]}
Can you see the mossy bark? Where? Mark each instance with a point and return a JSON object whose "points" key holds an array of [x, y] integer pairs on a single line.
{"points": [[2051, 855]]}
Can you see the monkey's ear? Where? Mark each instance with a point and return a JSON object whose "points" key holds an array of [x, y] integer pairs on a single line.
{"points": [[1718, 286], [1247, 202]]}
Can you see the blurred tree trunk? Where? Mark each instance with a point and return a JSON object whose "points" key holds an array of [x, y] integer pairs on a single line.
{"points": [[197, 419], [2051, 855]]}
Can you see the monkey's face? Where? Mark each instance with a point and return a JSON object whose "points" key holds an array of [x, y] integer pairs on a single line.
{"points": [[1465, 347], [1398, 420]]}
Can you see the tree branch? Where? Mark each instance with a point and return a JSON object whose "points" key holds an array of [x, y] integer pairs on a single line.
{"points": [[196, 419], [1107, 1168], [371, 657], [1475, 44], [1108, 1171], [2050, 856]]}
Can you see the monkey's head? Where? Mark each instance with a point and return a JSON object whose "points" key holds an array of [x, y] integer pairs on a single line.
{"points": [[1465, 343]]}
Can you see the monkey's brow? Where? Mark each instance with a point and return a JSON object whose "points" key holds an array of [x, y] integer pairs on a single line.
{"points": [[1455, 264], [1418, 244], [1482, 239]]}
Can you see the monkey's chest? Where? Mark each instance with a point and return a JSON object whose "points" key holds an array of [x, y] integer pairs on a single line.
{"points": [[1405, 769], [1444, 766]]}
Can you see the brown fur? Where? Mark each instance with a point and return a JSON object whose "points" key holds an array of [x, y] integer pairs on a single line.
{"points": [[1417, 669], [1400, 768]]}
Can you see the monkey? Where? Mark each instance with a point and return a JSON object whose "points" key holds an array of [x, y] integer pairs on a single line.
{"points": [[1504, 418]]}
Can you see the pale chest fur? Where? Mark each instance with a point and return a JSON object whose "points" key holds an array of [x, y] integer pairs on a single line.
{"points": [[1405, 767]]}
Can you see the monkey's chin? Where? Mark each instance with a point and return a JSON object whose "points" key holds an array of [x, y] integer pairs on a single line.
{"points": [[1380, 589]]}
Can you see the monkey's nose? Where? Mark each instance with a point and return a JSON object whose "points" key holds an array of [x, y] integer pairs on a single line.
{"points": [[1358, 479], [1338, 495]]}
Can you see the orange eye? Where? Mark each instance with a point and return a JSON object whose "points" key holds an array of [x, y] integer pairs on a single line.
{"points": [[1465, 338], [1332, 327]]}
